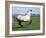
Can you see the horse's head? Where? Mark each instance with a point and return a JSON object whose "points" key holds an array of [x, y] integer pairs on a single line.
{"points": [[29, 12]]}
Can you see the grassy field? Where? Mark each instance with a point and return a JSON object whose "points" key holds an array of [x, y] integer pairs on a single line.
{"points": [[35, 25]]}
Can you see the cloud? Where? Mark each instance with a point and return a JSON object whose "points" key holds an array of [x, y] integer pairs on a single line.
{"points": [[22, 10]]}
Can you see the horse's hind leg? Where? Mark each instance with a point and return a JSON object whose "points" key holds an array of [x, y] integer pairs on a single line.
{"points": [[20, 24]]}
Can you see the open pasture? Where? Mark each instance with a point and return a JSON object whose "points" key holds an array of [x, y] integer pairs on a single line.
{"points": [[35, 25]]}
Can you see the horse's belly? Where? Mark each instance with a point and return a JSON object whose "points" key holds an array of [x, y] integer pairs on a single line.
{"points": [[27, 19]]}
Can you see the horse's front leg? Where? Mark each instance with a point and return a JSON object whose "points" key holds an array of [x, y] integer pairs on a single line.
{"points": [[30, 22]]}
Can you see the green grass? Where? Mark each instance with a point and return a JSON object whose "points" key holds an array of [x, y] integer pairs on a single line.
{"points": [[35, 25]]}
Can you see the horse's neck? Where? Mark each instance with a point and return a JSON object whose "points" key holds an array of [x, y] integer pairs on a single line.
{"points": [[29, 13]]}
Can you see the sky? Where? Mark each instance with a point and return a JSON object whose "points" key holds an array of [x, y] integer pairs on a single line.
{"points": [[23, 10]]}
